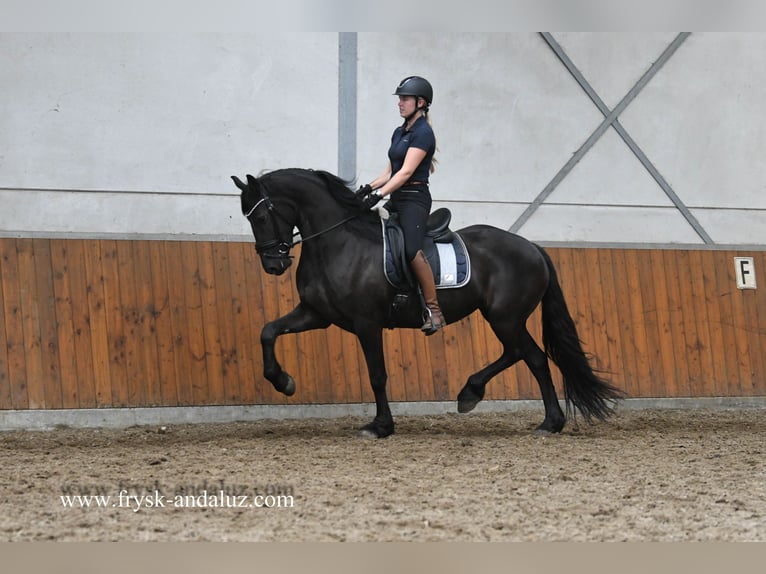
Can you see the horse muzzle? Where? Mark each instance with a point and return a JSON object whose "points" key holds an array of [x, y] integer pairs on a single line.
{"points": [[275, 256], [275, 265]]}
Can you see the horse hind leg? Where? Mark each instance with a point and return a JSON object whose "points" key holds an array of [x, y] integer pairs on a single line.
{"points": [[515, 348], [537, 361], [473, 391]]}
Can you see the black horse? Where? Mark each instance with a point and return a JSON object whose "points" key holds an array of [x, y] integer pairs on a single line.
{"points": [[341, 282]]}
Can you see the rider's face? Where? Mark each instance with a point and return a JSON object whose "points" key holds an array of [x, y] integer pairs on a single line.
{"points": [[407, 105]]}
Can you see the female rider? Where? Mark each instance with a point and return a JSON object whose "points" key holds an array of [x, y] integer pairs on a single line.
{"points": [[405, 180]]}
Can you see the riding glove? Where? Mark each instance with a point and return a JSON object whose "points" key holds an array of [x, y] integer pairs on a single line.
{"points": [[371, 199], [363, 191]]}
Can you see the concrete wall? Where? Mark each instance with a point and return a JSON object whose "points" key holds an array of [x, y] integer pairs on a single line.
{"points": [[132, 134]]}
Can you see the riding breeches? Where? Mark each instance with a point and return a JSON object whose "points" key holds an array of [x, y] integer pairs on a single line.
{"points": [[413, 208]]}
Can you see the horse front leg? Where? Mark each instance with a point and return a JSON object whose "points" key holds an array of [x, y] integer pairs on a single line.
{"points": [[302, 318], [371, 339]]}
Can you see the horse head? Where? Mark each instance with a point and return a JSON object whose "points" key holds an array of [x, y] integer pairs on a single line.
{"points": [[271, 228]]}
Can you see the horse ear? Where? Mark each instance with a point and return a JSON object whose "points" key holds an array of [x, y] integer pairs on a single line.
{"points": [[238, 183], [251, 180]]}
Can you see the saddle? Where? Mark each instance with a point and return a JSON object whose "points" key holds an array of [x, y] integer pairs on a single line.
{"points": [[444, 249]]}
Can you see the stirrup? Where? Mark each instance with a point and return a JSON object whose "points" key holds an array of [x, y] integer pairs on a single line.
{"points": [[429, 328]]}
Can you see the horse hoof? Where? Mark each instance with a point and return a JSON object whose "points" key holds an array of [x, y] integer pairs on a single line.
{"points": [[466, 406], [289, 389], [374, 430], [285, 384]]}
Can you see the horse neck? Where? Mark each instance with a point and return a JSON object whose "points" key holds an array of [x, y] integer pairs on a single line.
{"points": [[317, 212]]}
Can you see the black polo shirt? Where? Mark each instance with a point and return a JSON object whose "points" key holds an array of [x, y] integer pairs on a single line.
{"points": [[420, 136]]}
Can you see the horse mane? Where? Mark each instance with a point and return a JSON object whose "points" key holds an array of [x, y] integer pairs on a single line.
{"points": [[366, 225]]}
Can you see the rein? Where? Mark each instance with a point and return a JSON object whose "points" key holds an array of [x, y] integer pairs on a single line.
{"points": [[275, 214]]}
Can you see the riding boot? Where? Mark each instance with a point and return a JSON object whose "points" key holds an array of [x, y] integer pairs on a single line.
{"points": [[422, 270]]}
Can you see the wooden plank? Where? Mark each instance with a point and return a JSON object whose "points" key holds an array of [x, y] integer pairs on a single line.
{"points": [[753, 334], [195, 324], [245, 335], [182, 356], [210, 327], [146, 327], [586, 261], [721, 350], [738, 363], [48, 331], [30, 318], [65, 335], [259, 303], [612, 319], [635, 314], [78, 283], [97, 323], [114, 323], [163, 326], [14, 326], [226, 326], [131, 316], [673, 278], [700, 306], [395, 355], [693, 351], [759, 388], [623, 318], [667, 384], [6, 399]]}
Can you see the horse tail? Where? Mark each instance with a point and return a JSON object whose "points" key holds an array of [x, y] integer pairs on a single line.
{"points": [[593, 396]]}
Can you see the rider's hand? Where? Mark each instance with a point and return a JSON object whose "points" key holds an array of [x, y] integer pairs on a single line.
{"points": [[363, 191], [371, 199]]}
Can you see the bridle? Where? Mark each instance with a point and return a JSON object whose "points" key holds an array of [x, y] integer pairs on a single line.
{"points": [[282, 246]]}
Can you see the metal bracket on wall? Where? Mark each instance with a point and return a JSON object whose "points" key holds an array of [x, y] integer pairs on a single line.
{"points": [[611, 120]]}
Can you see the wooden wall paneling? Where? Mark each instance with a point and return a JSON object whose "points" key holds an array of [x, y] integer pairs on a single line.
{"points": [[226, 336], [14, 326], [146, 324], [161, 312], [285, 350], [440, 368], [625, 338], [115, 329], [718, 303], [760, 306], [46, 301], [30, 318], [354, 369], [340, 386], [396, 354], [210, 326], [708, 353], [679, 386], [320, 365], [195, 324], [65, 331], [6, 401], [688, 317], [725, 291], [754, 333], [651, 318], [179, 322], [131, 319], [78, 283], [98, 323], [634, 313], [245, 341], [665, 385], [586, 261]]}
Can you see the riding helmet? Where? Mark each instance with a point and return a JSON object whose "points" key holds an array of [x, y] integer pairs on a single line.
{"points": [[415, 86]]}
